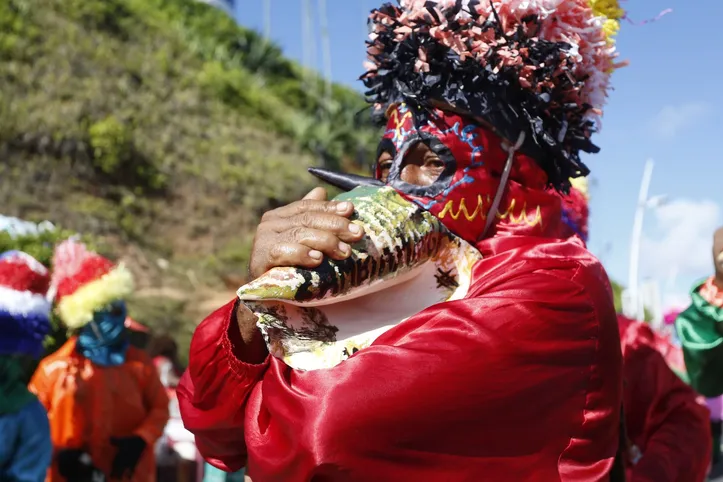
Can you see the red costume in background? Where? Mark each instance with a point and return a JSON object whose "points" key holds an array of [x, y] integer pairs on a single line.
{"points": [[662, 417], [667, 426]]}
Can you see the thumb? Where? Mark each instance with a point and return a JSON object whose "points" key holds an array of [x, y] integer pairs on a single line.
{"points": [[316, 194]]}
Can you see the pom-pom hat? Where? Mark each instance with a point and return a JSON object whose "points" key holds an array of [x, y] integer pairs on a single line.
{"points": [[24, 308], [85, 282], [531, 69]]}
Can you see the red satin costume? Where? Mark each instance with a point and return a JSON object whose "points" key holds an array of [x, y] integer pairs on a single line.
{"points": [[519, 381], [662, 417], [667, 427]]}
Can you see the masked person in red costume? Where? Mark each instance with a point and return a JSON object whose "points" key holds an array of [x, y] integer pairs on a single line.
{"points": [[667, 429], [486, 105]]}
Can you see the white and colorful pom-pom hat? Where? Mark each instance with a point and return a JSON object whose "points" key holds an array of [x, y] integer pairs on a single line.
{"points": [[24, 307], [84, 282]]}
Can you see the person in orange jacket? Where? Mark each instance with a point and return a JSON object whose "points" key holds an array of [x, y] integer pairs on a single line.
{"points": [[667, 428], [106, 404]]}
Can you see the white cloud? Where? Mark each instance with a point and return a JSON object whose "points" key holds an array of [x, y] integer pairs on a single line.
{"points": [[675, 118], [675, 300], [684, 241], [680, 250]]}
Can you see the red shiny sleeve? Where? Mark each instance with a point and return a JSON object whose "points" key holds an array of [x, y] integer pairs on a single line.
{"points": [[663, 418], [519, 384], [213, 391]]}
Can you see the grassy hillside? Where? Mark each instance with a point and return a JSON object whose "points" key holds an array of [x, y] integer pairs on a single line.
{"points": [[163, 130]]}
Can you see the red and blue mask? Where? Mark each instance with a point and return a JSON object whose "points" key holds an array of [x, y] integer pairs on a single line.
{"points": [[462, 195], [474, 159]]}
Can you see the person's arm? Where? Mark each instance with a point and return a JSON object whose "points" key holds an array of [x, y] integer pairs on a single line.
{"points": [[700, 330], [34, 450], [156, 400], [449, 383], [213, 390], [664, 418]]}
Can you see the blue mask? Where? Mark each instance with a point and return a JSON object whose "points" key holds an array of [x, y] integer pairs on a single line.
{"points": [[103, 341]]}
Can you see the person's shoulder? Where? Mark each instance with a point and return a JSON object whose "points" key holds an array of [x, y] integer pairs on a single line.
{"points": [[59, 359], [553, 265], [564, 255], [554, 288]]}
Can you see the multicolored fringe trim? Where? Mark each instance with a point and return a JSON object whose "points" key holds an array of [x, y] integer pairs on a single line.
{"points": [[76, 309]]}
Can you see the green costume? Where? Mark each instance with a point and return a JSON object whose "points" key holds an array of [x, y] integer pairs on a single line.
{"points": [[700, 329], [14, 393]]}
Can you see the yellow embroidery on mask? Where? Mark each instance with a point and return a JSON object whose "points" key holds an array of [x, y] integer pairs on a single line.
{"points": [[449, 209], [463, 210], [522, 216], [537, 219]]}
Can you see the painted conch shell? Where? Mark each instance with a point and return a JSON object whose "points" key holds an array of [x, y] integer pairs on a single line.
{"points": [[407, 261]]}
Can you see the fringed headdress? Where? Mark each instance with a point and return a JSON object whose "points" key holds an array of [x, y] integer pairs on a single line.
{"points": [[85, 282], [536, 68]]}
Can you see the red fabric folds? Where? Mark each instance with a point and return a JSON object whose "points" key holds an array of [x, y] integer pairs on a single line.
{"points": [[662, 416], [521, 380]]}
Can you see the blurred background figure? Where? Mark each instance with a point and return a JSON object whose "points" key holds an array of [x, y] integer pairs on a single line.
{"points": [[163, 350], [176, 454], [139, 335], [105, 401], [25, 447], [715, 405], [700, 330], [666, 425]]}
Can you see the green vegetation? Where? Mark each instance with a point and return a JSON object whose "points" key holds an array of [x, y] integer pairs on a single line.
{"points": [[40, 245], [617, 296], [164, 130]]}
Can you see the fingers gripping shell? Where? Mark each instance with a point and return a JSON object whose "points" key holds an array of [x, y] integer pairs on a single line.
{"points": [[406, 262]]}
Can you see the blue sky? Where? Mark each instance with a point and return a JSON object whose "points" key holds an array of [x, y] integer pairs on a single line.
{"points": [[667, 105]]}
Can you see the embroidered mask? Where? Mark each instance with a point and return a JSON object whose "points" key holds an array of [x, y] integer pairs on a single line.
{"points": [[473, 160]]}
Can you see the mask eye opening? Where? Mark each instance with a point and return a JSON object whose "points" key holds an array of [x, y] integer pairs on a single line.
{"points": [[385, 146], [436, 146]]}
